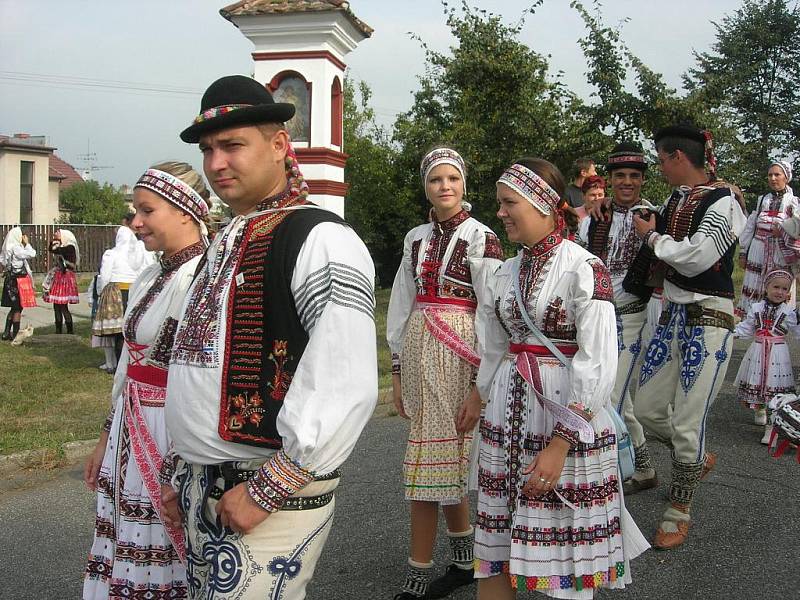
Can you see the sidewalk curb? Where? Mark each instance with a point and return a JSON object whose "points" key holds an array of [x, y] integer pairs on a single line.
{"points": [[32, 459]]}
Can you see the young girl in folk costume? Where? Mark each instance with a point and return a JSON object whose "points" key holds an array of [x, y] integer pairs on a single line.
{"points": [[766, 369], [551, 515], [764, 245], [432, 331], [63, 289], [134, 555], [119, 267], [17, 285]]}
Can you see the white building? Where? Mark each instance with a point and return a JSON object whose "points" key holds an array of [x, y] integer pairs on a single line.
{"points": [[300, 47], [31, 178]]}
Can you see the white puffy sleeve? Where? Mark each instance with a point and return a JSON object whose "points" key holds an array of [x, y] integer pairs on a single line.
{"points": [[401, 302], [594, 366], [335, 387], [495, 338], [583, 232], [718, 230], [26, 252], [746, 328], [749, 231], [106, 269], [485, 257]]}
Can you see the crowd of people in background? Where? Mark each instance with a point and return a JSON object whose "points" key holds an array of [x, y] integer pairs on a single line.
{"points": [[245, 367]]}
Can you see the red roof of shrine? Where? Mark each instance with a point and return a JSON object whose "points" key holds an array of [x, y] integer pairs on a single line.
{"points": [[270, 7]]}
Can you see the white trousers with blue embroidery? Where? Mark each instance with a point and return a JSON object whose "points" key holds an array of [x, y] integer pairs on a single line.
{"points": [[682, 372], [273, 562], [630, 344]]}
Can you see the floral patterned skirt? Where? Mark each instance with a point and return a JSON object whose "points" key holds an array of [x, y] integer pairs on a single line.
{"points": [[435, 381]]}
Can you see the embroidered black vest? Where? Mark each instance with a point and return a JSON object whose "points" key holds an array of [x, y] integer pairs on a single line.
{"points": [[636, 280], [716, 281], [265, 338]]}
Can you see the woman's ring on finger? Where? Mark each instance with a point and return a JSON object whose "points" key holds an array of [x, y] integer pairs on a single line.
{"points": [[542, 479]]}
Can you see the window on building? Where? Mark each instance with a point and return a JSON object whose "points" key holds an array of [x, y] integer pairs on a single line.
{"points": [[336, 112], [291, 87], [25, 192]]}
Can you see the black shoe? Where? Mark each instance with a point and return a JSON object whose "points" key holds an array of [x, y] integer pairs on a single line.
{"points": [[453, 579], [409, 596]]}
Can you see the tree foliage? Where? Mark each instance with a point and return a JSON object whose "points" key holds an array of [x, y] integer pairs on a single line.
{"points": [[749, 80], [492, 98], [88, 202], [495, 99], [380, 210]]}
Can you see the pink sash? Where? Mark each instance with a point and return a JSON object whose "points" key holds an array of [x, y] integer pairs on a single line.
{"points": [[528, 368], [767, 342], [445, 334], [145, 381]]}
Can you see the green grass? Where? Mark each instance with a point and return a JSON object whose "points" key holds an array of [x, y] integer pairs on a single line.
{"points": [[50, 395], [384, 355]]}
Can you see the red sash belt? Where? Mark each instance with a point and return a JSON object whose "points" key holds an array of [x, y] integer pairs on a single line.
{"points": [[462, 302], [148, 375], [569, 350]]}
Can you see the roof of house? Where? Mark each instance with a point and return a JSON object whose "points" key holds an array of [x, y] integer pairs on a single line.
{"points": [[63, 172], [14, 143], [269, 7]]}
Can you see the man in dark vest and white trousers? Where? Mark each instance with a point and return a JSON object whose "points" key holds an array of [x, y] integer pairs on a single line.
{"points": [[613, 239], [685, 362], [273, 373]]}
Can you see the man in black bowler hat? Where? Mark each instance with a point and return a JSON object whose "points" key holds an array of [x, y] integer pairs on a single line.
{"points": [[686, 360], [273, 372]]}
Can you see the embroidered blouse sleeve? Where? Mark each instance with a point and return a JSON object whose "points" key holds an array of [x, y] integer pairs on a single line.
{"points": [[495, 343], [335, 386], [790, 325], [718, 230], [746, 328], [401, 302], [485, 257], [594, 366]]}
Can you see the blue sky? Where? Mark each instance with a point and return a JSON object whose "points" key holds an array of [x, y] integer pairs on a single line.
{"points": [[183, 45]]}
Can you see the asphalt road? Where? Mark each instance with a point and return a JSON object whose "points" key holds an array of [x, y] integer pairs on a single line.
{"points": [[744, 543]]}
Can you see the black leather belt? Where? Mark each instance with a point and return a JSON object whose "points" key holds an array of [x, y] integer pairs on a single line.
{"points": [[631, 308], [233, 476], [697, 316]]}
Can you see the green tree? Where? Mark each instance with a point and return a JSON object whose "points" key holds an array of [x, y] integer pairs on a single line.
{"points": [[88, 202], [750, 81], [630, 101], [493, 99], [379, 209]]}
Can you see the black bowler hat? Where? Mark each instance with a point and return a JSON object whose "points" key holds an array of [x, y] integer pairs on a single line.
{"points": [[686, 131], [626, 155], [233, 101]]}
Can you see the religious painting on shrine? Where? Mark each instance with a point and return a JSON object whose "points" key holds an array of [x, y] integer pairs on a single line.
{"points": [[291, 87]]}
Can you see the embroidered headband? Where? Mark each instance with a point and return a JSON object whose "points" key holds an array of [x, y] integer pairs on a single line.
{"points": [[785, 166], [778, 274], [176, 192], [444, 156], [531, 187]]}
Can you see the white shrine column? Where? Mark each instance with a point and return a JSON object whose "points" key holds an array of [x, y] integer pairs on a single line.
{"points": [[299, 56]]}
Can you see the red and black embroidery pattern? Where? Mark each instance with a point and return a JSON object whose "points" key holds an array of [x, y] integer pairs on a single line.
{"points": [[492, 247], [556, 323], [242, 400], [458, 265], [603, 288]]}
